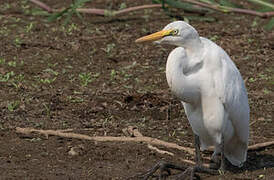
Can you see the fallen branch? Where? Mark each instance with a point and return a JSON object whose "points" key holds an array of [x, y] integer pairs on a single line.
{"points": [[104, 12], [149, 140], [135, 136]]}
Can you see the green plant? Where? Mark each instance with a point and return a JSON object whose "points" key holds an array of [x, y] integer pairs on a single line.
{"points": [[12, 63], [47, 80], [266, 91], [85, 78], [17, 42], [29, 27], [252, 80], [6, 77], [12, 106], [68, 12], [109, 49], [2, 60], [47, 109], [113, 74], [75, 99]]}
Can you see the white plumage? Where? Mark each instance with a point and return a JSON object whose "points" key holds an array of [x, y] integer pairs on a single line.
{"points": [[212, 91]]}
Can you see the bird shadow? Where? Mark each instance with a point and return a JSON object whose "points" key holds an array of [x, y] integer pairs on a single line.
{"points": [[255, 161]]}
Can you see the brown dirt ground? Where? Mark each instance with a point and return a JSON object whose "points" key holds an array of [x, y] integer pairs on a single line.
{"points": [[40, 64]]}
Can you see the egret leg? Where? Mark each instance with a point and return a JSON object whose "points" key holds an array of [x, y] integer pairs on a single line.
{"points": [[198, 167], [222, 166], [162, 166], [197, 151], [166, 166]]}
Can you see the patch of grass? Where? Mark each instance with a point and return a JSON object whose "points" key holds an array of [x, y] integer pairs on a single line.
{"points": [[113, 74], [51, 71], [18, 80], [12, 63], [85, 79], [17, 42], [6, 77], [109, 49], [12, 106], [29, 27], [47, 109], [5, 6], [214, 38], [47, 80], [2, 61], [266, 91], [4, 31], [75, 99]]}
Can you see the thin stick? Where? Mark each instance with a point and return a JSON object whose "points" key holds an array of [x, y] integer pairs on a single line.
{"points": [[42, 5], [260, 145]]}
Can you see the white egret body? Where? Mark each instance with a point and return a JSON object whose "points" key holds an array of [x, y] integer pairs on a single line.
{"points": [[212, 91]]}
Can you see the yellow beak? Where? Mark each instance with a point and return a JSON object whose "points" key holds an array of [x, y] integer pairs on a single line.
{"points": [[155, 36]]}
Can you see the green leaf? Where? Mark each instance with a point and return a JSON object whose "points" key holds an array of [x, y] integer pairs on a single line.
{"points": [[269, 26], [55, 16], [227, 3], [263, 3]]}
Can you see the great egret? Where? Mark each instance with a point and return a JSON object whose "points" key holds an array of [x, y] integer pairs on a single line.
{"points": [[211, 89]]}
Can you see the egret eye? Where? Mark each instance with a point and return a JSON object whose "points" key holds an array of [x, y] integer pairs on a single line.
{"points": [[175, 32]]}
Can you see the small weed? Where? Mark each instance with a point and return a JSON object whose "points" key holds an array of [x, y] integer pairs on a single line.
{"points": [[47, 80], [4, 31], [2, 60], [85, 78], [254, 23], [266, 91], [12, 106], [47, 109], [17, 42], [5, 6], [6, 77], [71, 77], [29, 27], [113, 74], [109, 49], [72, 27], [75, 99], [51, 71], [123, 5], [263, 76], [249, 40], [214, 38], [12, 63], [251, 80], [17, 80]]}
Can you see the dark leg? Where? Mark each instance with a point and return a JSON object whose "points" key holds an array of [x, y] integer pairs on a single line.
{"points": [[198, 167], [197, 151], [162, 166], [222, 167]]}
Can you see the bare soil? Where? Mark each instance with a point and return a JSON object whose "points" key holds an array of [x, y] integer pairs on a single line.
{"points": [[45, 84]]}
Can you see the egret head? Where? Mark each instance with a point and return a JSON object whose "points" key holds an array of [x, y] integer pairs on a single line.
{"points": [[177, 33]]}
